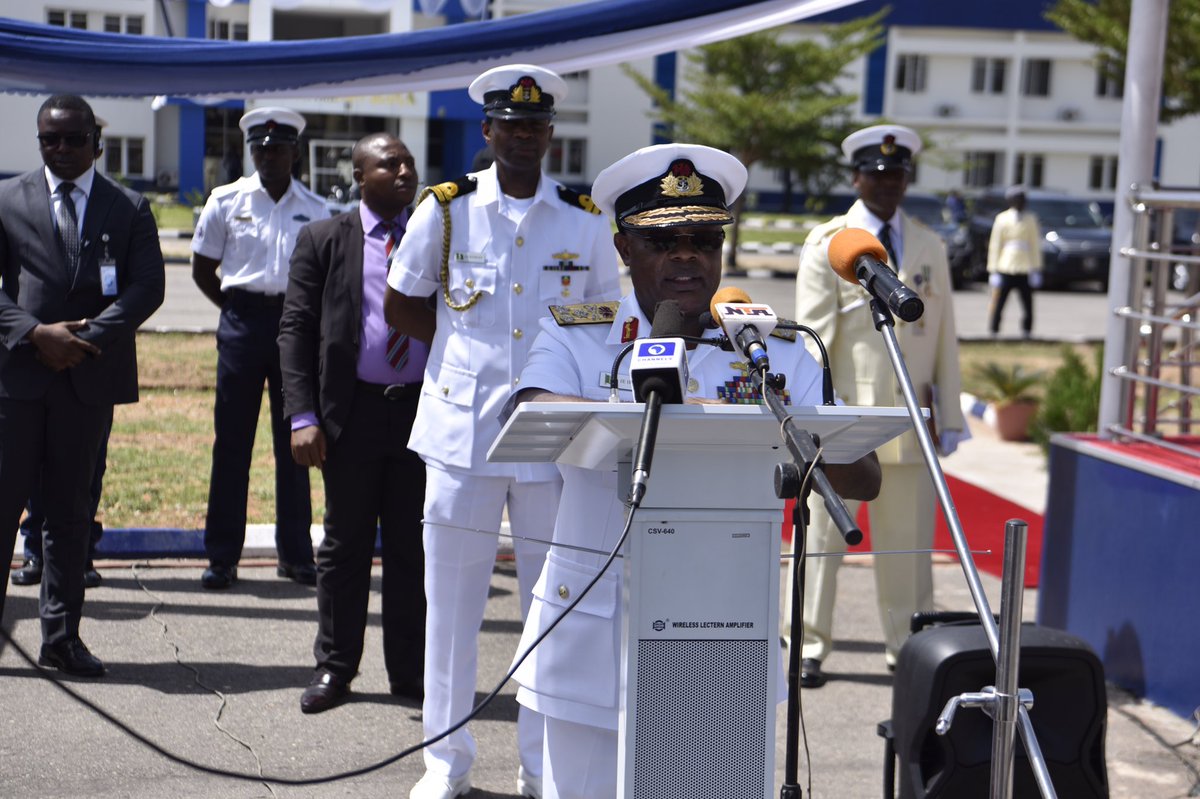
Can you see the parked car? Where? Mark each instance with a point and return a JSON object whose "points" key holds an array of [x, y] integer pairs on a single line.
{"points": [[931, 211], [1076, 240]]}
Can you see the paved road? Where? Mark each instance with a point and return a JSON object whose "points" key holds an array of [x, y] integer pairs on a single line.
{"points": [[1058, 315]]}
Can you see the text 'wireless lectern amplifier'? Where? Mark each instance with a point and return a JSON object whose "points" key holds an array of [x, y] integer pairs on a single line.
{"points": [[700, 656]]}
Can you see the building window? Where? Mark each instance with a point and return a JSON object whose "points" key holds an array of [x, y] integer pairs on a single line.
{"points": [[910, 73], [987, 75], [67, 19], [1029, 170], [124, 155], [115, 23], [567, 157], [228, 31], [1109, 82], [1103, 172], [1035, 81], [979, 169]]}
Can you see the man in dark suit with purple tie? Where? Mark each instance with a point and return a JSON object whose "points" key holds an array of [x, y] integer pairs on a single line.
{"points": [[81, 270], [350, 388]]}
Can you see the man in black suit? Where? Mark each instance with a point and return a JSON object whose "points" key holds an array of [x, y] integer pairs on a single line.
{"points": [[81, 270], [350, 388]]}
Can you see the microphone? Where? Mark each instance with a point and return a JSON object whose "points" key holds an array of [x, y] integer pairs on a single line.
{"points": [[746, 324], [659, 374], [858, 257]]}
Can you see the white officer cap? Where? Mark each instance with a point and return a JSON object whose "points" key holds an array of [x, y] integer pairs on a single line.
{"points": [[1014, 191], [272, 125], [670, 185], [881, 147], [518, 91]]}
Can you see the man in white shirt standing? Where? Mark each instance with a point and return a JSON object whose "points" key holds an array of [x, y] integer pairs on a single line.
{"points": [[495, 249], [247, 230], [1014, 260]]}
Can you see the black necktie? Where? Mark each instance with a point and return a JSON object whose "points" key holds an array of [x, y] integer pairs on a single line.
{"points": [[68, 227], [885, 238]]}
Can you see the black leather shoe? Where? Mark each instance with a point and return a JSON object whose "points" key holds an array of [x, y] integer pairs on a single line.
{"points": [[305, 574], [71, 657], [216, 577], [811, 675], [410, 691], [91, 577], [30, 572], [325, 691]]}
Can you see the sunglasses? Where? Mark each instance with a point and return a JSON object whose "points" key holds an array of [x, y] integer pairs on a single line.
{"points": [[664, 242], [71, 139]]}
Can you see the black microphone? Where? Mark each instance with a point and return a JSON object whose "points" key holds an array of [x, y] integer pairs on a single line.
{"points": [[858, 257], [657, 387]]}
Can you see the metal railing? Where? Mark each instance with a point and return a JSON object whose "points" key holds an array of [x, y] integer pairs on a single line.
{"points": [[1158, 367]]}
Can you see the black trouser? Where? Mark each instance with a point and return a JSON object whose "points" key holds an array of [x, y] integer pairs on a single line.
{"points": [[248, 356], [1000, 296], [54, 439], [373, 482]]}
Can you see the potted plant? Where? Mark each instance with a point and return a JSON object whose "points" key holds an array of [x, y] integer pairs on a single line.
{"points": [[1010, 391]]}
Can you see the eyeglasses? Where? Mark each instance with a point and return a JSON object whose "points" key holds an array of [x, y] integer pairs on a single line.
{"points": [[71, 139], [665, 242]]}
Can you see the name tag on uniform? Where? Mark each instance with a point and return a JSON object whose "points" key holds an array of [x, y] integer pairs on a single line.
{"points": [[624, 382], [470, 257]]}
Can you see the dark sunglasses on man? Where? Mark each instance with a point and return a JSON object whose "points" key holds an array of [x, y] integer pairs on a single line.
{"points": [[75, 140]]}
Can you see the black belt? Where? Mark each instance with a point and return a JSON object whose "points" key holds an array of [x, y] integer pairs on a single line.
{"points": [[395, 392], [253, 299]]}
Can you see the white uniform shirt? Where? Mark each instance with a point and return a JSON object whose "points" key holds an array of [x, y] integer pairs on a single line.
{"points": [[1015, 246], [252, 235], [558, 254], [575, 673]]}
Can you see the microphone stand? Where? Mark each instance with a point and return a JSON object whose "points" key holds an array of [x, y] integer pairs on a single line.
{"points": [[885, 324], [792, 481]]}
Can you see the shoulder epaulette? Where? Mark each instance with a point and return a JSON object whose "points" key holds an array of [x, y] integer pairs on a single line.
{"points": [[784, 333], [585, 313], [581, 201], [445, 192]]}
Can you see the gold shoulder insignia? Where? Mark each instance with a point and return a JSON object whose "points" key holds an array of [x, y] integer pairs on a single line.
{"points": [[445, 192], [784, 333], [582, 201], [585, 313]]}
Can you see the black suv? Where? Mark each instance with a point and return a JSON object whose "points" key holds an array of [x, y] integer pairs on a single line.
{"points": [[1075, 238]]}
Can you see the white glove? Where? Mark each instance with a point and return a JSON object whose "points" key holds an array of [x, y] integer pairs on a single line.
{"points": [[1035, 280], [994, 280]]}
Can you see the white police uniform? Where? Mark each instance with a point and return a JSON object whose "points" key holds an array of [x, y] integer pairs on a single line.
{"points": [[516, 264], [574, 674]]}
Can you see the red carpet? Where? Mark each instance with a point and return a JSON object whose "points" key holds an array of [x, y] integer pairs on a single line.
{"points": [[982, 515]]}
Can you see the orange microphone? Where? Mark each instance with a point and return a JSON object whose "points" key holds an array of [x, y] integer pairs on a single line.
{"points": [[858, 257]]}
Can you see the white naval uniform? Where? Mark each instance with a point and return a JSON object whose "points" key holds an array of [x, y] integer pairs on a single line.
{"points": [[573, 676], [902, 516], [252, 235], [556, 253]]}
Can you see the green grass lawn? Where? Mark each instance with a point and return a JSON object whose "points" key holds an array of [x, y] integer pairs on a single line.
{"points": [[160, 451]]}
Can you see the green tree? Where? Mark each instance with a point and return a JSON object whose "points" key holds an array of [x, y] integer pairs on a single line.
{"points": [[770, 98], [1105, 24]]}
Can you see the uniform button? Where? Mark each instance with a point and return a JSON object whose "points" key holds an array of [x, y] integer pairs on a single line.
{"points": [[563, 592], [518, 288], [469, 283], [520, 241], [518, 333], [516, 380], [446, 390], [693, 385], [566, 292]]}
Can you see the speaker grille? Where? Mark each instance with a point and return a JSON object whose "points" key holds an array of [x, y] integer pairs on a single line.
{"points": [[701, 720]]}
